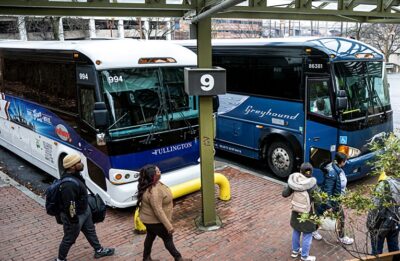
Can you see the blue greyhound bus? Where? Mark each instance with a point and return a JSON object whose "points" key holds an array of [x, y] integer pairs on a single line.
{"points": [[293, 100], [120, 104]]}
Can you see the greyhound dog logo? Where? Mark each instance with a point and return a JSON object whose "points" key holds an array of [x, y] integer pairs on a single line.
{"points": [[376, 137]]}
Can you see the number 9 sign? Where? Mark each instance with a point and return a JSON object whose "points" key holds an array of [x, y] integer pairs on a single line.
{"points": [[205, 82]]}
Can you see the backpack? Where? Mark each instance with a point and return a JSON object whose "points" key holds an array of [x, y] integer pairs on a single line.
{"points": [[323, 168], [301, 202], [97, 207], [53, 203]]}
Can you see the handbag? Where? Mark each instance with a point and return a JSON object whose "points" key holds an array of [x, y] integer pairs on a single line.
{"points": [[328, 224], [98, 208]]}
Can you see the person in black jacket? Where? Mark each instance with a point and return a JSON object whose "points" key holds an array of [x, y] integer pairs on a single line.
{"points": [[76, 215]]}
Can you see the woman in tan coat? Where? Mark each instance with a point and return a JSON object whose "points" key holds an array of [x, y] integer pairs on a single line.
{"points": [[155, 205]]}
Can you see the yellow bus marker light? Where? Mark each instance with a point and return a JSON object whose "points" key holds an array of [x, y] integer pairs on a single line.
{"points": [[156, 60], [364, 55]]}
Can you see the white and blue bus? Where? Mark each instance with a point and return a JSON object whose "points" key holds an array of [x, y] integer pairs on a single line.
{"points": [[292, 100], [120, 104]]}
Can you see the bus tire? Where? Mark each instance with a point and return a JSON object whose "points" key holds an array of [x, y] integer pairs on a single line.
{"points": [[280, 159]]}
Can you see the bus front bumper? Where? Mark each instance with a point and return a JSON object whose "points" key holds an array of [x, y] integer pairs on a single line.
{"points": [[123, 196], [359, 167]]}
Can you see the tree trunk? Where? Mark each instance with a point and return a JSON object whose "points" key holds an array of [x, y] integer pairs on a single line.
{"points": [[55, 26]]}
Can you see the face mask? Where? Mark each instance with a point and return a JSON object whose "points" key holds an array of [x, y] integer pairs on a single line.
{"points": [[79, 167], [156, 178]]}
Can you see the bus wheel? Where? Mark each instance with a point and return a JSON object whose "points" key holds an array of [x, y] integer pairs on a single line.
{"points": [[280, 159]]}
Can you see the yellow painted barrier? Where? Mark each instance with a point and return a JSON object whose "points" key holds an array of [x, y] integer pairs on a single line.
{"points": [[139, 227], [195, 185], [187, 188]]}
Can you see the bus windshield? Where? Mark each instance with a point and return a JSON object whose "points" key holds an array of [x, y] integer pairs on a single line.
{"points": [[142, 100], [365, 87]]}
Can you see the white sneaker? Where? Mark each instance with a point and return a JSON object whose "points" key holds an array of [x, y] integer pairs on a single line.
{"points": [[316, 235], [346, 240], [309, 258], [295, 253]]}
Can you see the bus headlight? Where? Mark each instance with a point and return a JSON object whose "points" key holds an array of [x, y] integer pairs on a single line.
{"points": [[119, 176], [349, 151]]}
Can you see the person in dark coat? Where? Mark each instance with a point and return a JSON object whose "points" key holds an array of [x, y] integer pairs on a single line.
{"points": [[302, 181], [76, 215], [387, 192], [335, 185]]}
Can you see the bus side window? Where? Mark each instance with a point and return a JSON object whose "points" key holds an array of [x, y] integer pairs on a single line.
{"points": [[48, 83], [263, 75], [87, 104]]}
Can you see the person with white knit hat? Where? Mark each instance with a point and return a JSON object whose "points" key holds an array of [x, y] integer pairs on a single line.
{"points": [[76, 215], [302, 186]]}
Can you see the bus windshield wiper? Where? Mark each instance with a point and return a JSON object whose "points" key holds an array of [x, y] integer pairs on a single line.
{"points": [[173, 107], [120, 118], [162, 111]]}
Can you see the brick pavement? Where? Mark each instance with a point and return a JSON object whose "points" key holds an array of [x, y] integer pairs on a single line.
{"points": [[255, 227]]}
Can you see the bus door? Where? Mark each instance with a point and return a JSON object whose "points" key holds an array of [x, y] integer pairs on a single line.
{"points": [[320, 133], [87, 84]]}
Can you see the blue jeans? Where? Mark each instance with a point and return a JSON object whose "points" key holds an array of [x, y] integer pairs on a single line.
{"points": [[392, 240], [306, 244]]}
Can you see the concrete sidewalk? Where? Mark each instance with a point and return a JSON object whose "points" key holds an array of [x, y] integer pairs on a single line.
{"points": [[256, 227]]}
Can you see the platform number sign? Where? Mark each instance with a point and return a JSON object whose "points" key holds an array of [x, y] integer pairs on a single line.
{"points": [[205, 82]]}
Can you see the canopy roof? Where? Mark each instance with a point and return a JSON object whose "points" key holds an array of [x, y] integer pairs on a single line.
{"points": [[377, 11]]}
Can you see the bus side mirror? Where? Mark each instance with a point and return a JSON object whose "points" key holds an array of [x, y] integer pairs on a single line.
{"points": [[215, 103], [341, 100], [100, 115]]}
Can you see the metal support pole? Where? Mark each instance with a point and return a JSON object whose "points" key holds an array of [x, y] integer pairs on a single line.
{"points": [[209, 219], [215, 9]]}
